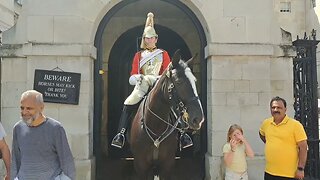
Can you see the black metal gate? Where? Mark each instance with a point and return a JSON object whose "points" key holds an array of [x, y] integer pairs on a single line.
{"points": [[306, 99]]}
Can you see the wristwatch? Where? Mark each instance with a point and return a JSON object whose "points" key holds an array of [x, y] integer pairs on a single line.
{"points": [[300, 169]]}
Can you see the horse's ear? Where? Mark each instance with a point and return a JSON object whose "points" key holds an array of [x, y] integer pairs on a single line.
{"points": [[191, 59], [176, 58]]}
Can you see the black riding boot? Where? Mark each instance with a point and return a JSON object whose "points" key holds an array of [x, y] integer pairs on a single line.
{"points": [[119, 140], [185, 140]]}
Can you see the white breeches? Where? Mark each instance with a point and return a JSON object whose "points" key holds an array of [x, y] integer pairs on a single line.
{"points": [[141, 88]]}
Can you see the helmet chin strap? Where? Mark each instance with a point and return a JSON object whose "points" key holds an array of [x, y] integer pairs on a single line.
{"points": [[151, 48]]}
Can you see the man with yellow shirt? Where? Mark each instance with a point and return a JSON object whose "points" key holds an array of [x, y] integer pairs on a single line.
{"points": [[285, 144]]}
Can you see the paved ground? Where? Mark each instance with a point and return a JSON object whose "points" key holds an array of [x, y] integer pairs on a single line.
{"points": [[117, 169]]}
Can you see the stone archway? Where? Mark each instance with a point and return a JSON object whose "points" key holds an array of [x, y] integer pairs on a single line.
{"points": [[116, 38]]}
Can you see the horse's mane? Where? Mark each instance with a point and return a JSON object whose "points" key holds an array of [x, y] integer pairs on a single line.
{"points": [[166, 74]]}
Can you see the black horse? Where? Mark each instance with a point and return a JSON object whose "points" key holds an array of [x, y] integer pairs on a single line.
{"points": [[155, 126]]}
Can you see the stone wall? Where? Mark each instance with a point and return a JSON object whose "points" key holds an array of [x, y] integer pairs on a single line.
{"points": [[6, 14], [249, 60]]}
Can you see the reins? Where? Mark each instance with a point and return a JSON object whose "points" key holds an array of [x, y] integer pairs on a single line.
{"points": [[165, 133], [177, 108]]}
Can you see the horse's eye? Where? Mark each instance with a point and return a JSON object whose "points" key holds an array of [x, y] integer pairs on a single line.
{"points": [[178, 80]]}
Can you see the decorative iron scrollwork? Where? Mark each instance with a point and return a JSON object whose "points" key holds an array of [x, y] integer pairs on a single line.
{"points": [[306, 99]]}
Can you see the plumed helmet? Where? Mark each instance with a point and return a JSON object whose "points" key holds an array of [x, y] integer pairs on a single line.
{"points": [[149, 30]]}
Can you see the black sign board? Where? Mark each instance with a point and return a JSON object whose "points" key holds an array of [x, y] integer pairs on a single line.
{"points": [[57, 87]]}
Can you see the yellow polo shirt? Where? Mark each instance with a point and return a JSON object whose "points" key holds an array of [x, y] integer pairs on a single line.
{"points": [[281, 150]]}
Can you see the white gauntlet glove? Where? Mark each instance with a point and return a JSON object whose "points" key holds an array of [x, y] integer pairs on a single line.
{"points": [[135, 78]]}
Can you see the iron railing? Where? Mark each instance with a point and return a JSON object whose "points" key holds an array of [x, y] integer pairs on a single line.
{"points": [[306, 99]]}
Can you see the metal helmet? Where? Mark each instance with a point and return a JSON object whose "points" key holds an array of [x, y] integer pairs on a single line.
{"points": [[149, 30]]}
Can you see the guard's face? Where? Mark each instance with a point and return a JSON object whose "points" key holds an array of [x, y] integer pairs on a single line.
{"points": [[278, 110], [30, 110], [150, 41]]}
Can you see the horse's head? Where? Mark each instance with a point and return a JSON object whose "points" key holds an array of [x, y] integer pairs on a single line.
{"points": [[183, 92]]}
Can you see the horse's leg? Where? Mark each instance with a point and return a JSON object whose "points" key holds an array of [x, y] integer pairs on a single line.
{"points": [[150, 175], [167, 158], [166, 169], [145, 175], [142, 167]]}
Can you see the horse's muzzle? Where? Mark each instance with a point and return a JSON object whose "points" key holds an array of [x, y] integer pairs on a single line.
{"points": [[195, 123]]}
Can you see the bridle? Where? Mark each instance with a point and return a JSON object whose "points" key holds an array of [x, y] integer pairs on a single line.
{"points": [[178, 109]]}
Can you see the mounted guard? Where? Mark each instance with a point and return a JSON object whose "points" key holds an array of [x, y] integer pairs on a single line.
{"points": [[147, 66]]}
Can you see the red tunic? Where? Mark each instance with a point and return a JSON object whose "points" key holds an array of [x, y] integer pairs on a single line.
{"points": [[135, 64]]}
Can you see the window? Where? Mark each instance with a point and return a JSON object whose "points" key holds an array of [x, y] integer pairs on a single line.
{"points": [[285, 7], [20, 2], [313, 3]]}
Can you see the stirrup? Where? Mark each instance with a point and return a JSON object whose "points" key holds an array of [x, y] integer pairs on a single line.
{"points": [[118, 140], [185, 141]]}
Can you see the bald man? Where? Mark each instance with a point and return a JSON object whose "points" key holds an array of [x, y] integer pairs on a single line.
{"points": [[40, 149]]}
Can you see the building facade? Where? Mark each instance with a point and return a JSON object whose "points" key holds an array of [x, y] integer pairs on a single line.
{"points": [[245, 59]]}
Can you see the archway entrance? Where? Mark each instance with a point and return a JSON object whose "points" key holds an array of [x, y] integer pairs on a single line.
{"points": [[117, 40]]}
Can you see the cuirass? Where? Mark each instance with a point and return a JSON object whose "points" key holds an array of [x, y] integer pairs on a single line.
{"points": [[153, 66]]}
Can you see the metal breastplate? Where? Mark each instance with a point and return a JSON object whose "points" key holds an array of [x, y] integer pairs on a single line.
{"points": [[153, 66]]}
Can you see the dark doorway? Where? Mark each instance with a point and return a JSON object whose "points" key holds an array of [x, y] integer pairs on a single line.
{"points": [[120, 60]]}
